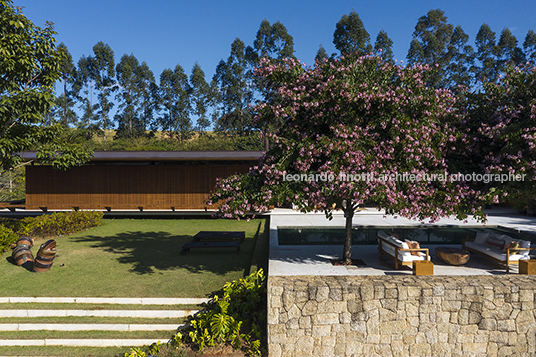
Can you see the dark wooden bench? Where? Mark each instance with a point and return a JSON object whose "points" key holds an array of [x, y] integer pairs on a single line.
{"points": [[215, 236], [186, 248]]}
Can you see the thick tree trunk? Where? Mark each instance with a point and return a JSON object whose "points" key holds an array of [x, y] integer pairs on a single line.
{"points": [[347, 249]]}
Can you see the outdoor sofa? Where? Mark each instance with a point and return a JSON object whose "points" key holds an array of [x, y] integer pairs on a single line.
{"points": [[499, 247], [399, 251]]}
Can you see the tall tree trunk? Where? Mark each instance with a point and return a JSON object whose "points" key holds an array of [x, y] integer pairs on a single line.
{"points": [[65, 97], [347, 249], [103, 91]]}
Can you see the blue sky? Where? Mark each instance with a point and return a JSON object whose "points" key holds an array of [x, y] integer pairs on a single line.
{"points": [[164, 33]]}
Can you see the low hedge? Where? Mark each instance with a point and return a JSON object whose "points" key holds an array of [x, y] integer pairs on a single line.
{"points": [[47, 225], [7, 237]]}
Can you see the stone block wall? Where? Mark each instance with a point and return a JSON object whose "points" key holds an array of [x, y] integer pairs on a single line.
{"points": [[401, 316]]}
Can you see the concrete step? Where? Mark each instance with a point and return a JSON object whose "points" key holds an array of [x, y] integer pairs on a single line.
{"points": [[98, 313], [97, 342], [90, 327], [84, 342], [100, 300]]}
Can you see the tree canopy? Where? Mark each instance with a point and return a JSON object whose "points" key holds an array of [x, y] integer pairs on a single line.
{"points": [[30, 65], [93, 101], [350, 36], [360, 130], [500, 135]]}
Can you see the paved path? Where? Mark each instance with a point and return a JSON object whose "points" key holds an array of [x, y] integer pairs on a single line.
{"points": [[98, 313], [90, 327], [80, 343], [99, 300]]}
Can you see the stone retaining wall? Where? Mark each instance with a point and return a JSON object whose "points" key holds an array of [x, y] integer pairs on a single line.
{"points": [[401, 316]]}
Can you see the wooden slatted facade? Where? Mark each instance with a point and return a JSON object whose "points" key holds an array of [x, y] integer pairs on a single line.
{"points": [[127, 184]]}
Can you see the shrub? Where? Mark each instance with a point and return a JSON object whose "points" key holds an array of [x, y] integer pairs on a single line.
{"points": [[7, 237], [237, 317], [144, 352], [55, 224]]}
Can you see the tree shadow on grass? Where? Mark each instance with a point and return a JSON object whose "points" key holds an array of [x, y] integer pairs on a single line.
{"points": [[150, 252], [28, 265]]}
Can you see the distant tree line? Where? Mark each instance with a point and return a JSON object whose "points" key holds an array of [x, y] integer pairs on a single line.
{"points": [[181, 104]]}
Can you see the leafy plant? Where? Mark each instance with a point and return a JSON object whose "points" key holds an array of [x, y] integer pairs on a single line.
{"points": [[7, 237], [144, 352], [135, 352], [236, 317]]}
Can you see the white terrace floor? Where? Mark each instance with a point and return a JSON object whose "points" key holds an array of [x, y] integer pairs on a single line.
{"points": [[315, 259]]}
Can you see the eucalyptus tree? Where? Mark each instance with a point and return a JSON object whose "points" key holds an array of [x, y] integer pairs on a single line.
{"points": [[529, 47], [83, 88], [486, 54], [508, 50], [67, 68], [460, 70], [103, 73], [235, 91], [430, 44], [201, 98], [383, 47], [134, 97], [321, 54], [174, 103], [65, 102], [350, 36], [147, 87], [271, 41]]}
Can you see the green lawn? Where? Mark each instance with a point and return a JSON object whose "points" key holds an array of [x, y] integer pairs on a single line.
{"points": [[62, 351], [140, 258]]}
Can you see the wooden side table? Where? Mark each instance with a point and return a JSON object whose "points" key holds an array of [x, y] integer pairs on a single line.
{"points": [[423, 267], [527, 266]]}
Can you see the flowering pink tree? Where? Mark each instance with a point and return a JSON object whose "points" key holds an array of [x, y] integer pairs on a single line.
{"points": [[500, 133], [349, 132]]}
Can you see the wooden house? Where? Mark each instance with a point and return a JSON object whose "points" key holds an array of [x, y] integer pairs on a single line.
{"points": [[116, 180]]}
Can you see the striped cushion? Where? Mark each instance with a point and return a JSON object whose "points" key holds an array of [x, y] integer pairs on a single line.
{"points": [[495, 243]]}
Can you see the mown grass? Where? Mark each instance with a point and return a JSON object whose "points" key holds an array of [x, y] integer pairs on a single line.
{"points": [[62, 351], [127, 258], [139, 258]]}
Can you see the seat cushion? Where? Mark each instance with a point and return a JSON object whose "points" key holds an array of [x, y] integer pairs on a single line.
{"points": [[409, 258], [382, 235], [495, 243], [404, 256], [512, 246], [413, 245], [481, 237], [524, 243], [494, 253]]}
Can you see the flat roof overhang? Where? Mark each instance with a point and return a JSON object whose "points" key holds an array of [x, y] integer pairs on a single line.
{"points": [[164, 155]]}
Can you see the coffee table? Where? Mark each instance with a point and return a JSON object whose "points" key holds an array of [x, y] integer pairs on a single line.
{"points": [[452, 256]]}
